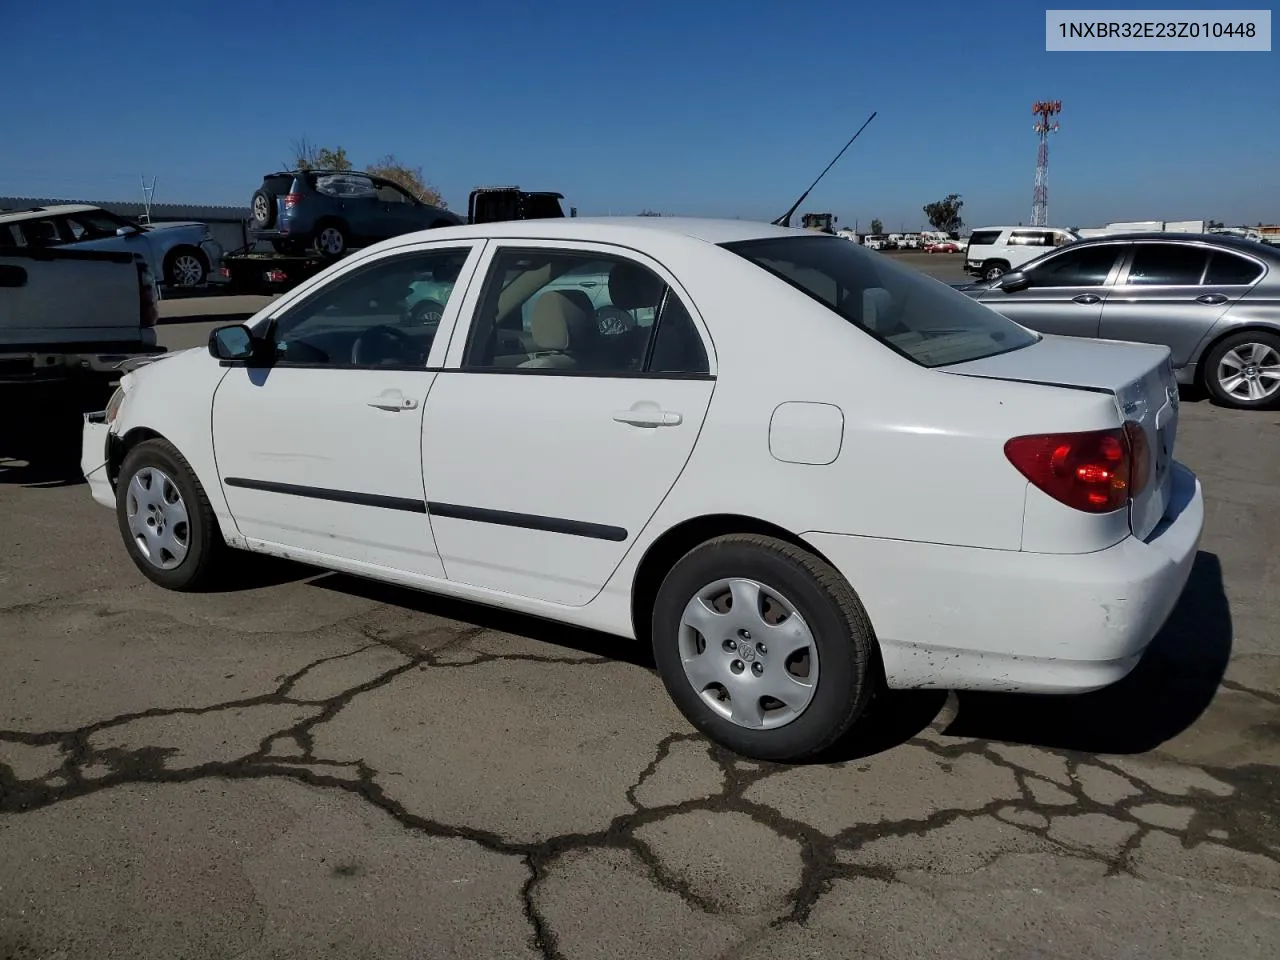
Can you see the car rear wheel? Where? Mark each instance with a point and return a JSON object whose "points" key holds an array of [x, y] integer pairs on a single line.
{"points": [[330, 240], [763, 647], [185, 267], [994, 269], [165, 519], [1243, 370], [263, 207]]}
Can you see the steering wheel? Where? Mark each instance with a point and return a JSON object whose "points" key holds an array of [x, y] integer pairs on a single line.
{"points": [[613, 321], [380, 344]]}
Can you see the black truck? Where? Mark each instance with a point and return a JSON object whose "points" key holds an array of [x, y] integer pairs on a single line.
{"points": [[248, 270]]}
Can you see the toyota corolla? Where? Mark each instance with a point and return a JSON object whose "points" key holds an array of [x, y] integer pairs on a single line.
{"points": [[802, 472]]}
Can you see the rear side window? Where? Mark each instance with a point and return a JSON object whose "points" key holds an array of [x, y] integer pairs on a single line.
{"points": [[984, 238], [921, 318], [1031, 238], [1226, 269], [1167, 264]]}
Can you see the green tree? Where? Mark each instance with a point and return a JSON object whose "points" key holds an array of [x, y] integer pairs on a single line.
{"points": [[877, 226], [944, 214], [308, 156]]}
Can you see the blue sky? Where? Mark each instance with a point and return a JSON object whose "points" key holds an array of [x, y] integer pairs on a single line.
{"points": [[713, 108]]}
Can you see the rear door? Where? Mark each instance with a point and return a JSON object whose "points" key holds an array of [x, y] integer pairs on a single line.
{"points": [[544, 460], [1066, 291], [1173, 292]]}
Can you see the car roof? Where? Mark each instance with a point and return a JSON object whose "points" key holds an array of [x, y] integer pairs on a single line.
{"points": [[55, 210], [621, 229], [1226, 240]]}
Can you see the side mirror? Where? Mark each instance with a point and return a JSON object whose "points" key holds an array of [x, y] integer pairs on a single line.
{"points": [[127, 231], [233, 342], [1013, 281]]}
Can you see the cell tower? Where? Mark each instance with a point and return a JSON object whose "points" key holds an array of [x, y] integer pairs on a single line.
{"points": [[1045, 111]]}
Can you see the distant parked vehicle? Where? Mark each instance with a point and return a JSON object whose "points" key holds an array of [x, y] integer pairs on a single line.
{"points": [[942, 246], [992, 251], [1213, 300], [178, 254], [328, 212]]}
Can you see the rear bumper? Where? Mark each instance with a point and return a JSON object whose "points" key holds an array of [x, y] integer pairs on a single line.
{"points": [[50, 363], [95, 443], [960, 618]]}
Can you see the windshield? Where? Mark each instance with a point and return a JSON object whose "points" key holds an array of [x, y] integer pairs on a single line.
{"points": [[921, 318]]}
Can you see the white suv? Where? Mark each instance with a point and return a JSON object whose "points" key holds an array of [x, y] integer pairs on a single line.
{"points": [[993, 251]]}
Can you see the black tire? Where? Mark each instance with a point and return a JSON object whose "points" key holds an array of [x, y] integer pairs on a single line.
{"points": [[315, 244], [262, 209], [842, 636], [993, 269], [171, 276], [205, 545], [1261, 341]]}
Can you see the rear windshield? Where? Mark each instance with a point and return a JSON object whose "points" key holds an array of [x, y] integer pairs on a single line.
{"points": [[919, 317]]}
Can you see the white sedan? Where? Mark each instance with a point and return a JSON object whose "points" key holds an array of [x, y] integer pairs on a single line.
{"points": [[803, 472]]}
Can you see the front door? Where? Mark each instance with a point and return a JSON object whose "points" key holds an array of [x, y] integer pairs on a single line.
{"points": [[320, 450], [564, 416], [1173, 293], [1065, 294]]}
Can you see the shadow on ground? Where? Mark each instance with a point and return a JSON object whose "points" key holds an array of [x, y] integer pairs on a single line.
{"points": [[1165, 694]]}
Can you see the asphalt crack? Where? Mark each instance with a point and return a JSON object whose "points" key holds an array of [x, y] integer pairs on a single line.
{"points": [[820, 853]]}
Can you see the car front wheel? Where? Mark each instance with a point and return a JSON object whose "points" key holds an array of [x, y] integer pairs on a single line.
{"points": [[763, 647], [1244, 370], [165, 519]]}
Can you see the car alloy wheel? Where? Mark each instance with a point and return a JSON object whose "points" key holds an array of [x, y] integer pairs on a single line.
{"points": [[331, 241], [748, 653], [993, 272], [187, 270], [261, 208], [157, 518], [1249, 372]]}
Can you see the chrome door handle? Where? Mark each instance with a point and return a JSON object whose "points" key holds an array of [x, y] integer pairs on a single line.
{"points": [[393, 400], [648, 417], [1211, 298], [1087, 298]]}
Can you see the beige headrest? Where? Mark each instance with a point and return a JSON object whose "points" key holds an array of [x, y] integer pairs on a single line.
{"points": [[558, 321]]}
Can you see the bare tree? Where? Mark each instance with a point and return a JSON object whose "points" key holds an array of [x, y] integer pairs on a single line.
{"points": [[410, 178], [308, 156]]}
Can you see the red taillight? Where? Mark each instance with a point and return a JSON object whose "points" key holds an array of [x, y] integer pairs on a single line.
{"points": [[1089, 471], [292, 200], [275, 276], [147, 297]]}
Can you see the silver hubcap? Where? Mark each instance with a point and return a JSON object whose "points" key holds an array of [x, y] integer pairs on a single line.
{"points": [[748, 653], [260, 210], [993, 272], [1250, 371], [331, 240], [158, 518], [187, 270]]}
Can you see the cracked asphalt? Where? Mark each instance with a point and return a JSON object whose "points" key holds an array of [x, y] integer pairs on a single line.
{"points": [[309, 765]]}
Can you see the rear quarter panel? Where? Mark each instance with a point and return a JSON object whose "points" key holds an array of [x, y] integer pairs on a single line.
{"points": [[921, 453], [1259, 308]]}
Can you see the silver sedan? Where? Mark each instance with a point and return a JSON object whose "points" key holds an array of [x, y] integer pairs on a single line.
{"points": [[1213, 300]]}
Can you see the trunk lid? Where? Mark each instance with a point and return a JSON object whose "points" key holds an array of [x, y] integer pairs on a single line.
{"points": [[1138, 375]]}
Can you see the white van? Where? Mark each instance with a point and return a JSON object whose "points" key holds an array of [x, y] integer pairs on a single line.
{"points": [[993, 251]]}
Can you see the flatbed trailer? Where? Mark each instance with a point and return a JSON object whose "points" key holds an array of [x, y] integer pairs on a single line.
{"points": [[248, 270]]}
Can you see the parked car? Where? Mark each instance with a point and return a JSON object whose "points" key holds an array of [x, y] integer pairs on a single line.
{"points": [[705, 478], [179, 254], [942, 246], [992, 251], [1213, 300], [331, 211]]}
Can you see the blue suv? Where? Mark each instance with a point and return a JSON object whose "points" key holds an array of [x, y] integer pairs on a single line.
{"points": [[329, 212]]}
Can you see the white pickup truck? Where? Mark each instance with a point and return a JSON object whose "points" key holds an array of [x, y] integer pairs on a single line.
{"points": [[70, 321]]}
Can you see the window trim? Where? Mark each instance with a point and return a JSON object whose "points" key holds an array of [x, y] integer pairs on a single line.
{"points": [[266, 326], [585, 249], [1207, 247]]}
